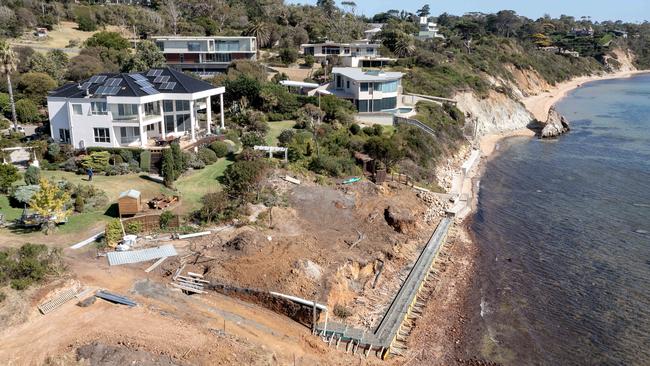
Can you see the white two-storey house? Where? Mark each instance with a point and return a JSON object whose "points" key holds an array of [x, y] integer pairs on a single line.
{"points": [[369, 91], [132, 110]]}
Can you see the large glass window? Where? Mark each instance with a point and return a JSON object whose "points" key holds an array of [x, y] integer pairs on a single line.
{"points": [[362, 105], [182, 122], [77, 110], [329, 50], [182, 105], [102, 135], [228, 46], [152, 108], [194, 46], [309, 51], [218, 57], [129, 134], [169, 124], [127, 110], [389, 87], [64, 135], [98, 108], [168, 105], [364, 87]]}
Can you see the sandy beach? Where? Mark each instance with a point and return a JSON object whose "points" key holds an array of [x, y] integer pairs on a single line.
{"points": [[540, 104]]}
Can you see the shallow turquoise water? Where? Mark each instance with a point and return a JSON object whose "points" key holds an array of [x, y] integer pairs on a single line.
{"points": [[563, 229]]}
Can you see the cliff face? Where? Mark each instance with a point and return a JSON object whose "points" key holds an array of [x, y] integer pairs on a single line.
{"points": [[495, 114], [498, 112]]}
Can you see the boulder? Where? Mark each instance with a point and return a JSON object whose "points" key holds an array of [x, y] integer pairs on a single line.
{"points": [[556, 124], [400, 219]]}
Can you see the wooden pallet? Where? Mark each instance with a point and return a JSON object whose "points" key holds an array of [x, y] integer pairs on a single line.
{"points": [[54, 303]]}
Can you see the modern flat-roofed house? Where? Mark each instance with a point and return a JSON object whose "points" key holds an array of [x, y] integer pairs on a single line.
{"points": [[207, 55], [428, 30], [132, 110], [369, 91], [355, 54]]}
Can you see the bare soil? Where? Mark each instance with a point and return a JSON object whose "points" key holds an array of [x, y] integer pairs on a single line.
{"points": [[326, 243]]}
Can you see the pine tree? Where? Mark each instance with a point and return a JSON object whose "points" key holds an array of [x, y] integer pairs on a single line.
{"points": [[168, 168]]}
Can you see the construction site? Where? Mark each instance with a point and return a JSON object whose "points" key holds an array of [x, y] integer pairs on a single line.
{"points": [[334, 275]]}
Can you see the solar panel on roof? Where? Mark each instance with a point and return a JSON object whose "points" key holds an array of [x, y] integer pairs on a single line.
{"points": [[149, 90], [85, 85], [161, 79], [107, 90], [113, 82], [137, 77], [168, 86], [144, 83], [97, 79], [154, 72]]}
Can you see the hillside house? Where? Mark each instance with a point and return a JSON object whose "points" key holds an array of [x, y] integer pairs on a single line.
{"points": [[355, 54], [369, 91], [205, 55], [132, 110]]}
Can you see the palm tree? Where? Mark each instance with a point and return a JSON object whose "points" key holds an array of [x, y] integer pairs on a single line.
{"points": [[261, 32], [7, 66], [404, 47]]}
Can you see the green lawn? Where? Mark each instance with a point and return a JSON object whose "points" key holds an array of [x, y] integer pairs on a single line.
{"points": [[194, 186], [275, 128], [112, 185], [10, 213]]}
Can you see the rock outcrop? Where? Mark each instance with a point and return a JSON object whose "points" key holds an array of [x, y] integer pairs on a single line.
{"points": [[556, 124]]}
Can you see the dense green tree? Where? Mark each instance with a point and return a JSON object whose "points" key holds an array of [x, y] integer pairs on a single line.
{"points": [[36, 85], [84, 66], [242, 178], [147, 56], [32, 175], [111, 40], [8, 175], [27, 111], [54, 63]]}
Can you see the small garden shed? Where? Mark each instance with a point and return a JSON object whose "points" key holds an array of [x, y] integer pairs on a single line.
{"points": [[129, 202]]}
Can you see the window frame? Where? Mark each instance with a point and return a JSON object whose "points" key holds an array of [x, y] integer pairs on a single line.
{"points": [[98, 112], [74, 109], [102, 135]]}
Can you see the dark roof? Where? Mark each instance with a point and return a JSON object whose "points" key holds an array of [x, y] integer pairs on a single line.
{"points": [[100, 85]]}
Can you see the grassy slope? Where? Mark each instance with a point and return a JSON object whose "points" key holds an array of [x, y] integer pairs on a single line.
{"points": [[193, 187], [275, 129]]}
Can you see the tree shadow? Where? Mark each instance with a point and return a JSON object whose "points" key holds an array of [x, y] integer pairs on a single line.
{"points": [[113, 210]]}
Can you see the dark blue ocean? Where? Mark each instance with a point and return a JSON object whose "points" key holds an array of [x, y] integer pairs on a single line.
{"points": [[563, 228]]}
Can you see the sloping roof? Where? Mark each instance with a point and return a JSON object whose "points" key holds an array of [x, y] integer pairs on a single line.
{"points": [[358, 74], [128, 85], [130, 193], [142, 255]]}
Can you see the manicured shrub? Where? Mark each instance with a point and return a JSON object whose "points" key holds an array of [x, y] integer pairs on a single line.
{"points": [[286, 136], [207, 155], [133, 227], [220, 148], [251, 139], [32, 175], [113, 233], [355, 129], [165, 219]]}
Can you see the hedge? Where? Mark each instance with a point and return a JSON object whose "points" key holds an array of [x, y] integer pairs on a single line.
{"points": [[145, 161]]}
